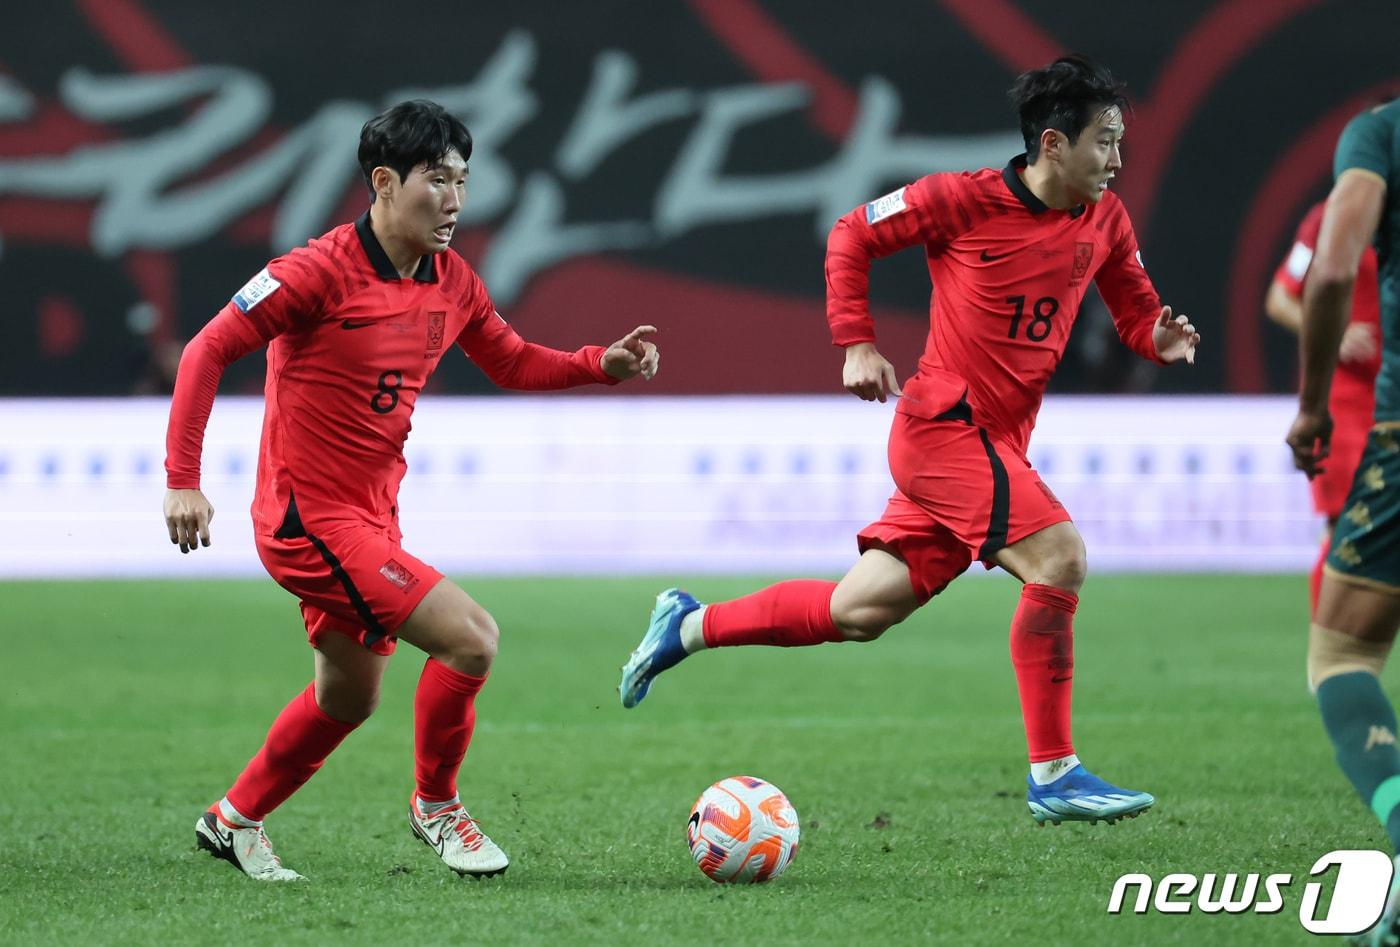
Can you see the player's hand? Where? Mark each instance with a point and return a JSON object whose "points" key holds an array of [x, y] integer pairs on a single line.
{"points": [[1310, 439], [187, 517], [867, 375], [1175, 338], [632, 355], [1358, 343]]}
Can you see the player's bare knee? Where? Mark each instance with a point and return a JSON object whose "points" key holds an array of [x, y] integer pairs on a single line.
{"points": [[863, 633], [473, 642], [862, 624], [1068, 571], [1063, 567], [1332, 652], [347, 704]]}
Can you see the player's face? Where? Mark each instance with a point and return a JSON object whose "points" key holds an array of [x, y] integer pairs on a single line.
{"points": [[1095, 157], [427, 205]]}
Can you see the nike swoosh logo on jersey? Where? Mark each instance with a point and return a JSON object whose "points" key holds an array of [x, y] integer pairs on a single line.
{"points": [[351, 324], [988, 258]]}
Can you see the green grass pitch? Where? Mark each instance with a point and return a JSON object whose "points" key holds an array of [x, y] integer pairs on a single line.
{"points": [[126, 708]]}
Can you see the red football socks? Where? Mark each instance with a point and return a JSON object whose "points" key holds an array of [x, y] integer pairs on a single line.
{"points": [[444, 715], [1042, 652], [301, 738], [790, 614]]}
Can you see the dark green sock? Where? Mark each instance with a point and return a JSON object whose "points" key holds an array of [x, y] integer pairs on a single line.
{"points": [[1361, 724]]}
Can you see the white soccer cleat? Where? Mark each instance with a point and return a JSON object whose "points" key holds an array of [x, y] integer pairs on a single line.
{"points": [[458, 840], [248, 850], [1386, 932]]}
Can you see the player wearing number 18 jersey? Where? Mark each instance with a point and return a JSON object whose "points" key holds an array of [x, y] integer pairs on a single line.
{"points": [[354, 324], [1011, 253], [1010, 273]]}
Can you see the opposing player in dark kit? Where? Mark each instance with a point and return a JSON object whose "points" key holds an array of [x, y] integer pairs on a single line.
{"points": [[1011, 253], [355, 323], [1358, 606]]}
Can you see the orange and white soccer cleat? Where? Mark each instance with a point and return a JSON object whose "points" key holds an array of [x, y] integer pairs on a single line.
{"points": [[458, 840], [247, 849]]}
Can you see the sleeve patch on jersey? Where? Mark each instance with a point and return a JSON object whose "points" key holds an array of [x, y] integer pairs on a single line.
{"points": [[1139, 261], [1299, 258], [887, 206], [256, 290]]}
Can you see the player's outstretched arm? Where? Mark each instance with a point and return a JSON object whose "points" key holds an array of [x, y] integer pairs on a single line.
{"points": [[511, 362], [1175, 338], [867, 374], [187, 518], [632, 355]]}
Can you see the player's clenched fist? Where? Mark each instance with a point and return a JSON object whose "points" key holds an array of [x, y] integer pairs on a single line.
{"points": [[632, 355], [1310, 439], [187, 517], [867, 375]]}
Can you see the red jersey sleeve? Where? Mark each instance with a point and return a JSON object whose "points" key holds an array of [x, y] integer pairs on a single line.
{"points": [[273, 302], [1293, 271], [931, 211], [511, 362], [1132, 300]]}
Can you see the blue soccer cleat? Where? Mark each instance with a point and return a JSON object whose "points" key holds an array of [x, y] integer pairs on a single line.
{"points": [[660, 648], [1080, 796]]}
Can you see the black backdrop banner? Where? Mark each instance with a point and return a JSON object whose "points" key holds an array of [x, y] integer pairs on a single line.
{"points": [[676, 163]]}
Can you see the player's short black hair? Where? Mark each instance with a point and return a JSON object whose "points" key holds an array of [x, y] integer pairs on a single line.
{"points": [[409, 134], [1066, 95]]}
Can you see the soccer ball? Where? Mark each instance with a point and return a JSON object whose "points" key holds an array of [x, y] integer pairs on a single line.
{"points": [[742, 830]]}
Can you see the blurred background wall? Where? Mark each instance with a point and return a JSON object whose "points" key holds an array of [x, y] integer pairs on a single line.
{"points": [[674, 162], [677, 163]]}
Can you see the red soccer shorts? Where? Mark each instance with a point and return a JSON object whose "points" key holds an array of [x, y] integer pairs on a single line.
{"points": [[962, 496], [1330, 488], [354, 580]]}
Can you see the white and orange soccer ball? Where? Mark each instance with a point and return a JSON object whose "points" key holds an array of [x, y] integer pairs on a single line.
{"points": [[742, 830]]}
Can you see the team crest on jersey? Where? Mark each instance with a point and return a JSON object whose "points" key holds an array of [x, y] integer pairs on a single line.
{"points": [[1083, 256], [885, 207], [256, 290], [435, 324], [396, 573]]}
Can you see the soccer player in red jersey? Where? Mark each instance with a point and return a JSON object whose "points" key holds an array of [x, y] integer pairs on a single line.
{"points": [[1011, 253], [1353, 399], [355, 323]]}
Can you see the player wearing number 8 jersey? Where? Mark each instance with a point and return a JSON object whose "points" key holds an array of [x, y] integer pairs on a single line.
{"points": [[1011, 253], [355, 323]]}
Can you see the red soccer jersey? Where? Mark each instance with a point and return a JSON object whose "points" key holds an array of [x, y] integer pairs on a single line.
{"points": [[1009, 274], [350, 346], [1353, 397]]}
